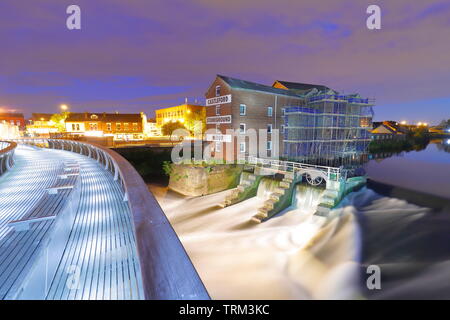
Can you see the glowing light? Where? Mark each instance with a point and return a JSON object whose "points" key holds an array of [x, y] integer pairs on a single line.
{"points": [[403, 122], [448, 141], [64, 107]]}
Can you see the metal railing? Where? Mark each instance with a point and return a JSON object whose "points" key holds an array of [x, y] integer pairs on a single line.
{"points": [[167, 271], [332, 173], [7, 149]]}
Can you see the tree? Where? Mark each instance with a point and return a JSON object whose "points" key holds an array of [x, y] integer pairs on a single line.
{"points": [[59, 120], [196, 122], [168, 128]]}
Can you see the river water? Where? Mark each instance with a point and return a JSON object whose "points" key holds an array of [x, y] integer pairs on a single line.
{"points": [[297, 255]]}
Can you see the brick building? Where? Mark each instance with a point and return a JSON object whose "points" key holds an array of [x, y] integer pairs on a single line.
{"points": [[120, 126], [14, 119], [314, 122]]}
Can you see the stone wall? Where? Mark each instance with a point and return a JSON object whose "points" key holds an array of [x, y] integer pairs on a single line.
{"points": [[192, 180]]}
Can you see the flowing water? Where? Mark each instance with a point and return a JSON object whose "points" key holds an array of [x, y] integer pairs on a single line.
{"points": [[297, 255]]}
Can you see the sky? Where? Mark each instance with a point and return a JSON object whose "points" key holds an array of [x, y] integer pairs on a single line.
{"points": [[141, 55]]}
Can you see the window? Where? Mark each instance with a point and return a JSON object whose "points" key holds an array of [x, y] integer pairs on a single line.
{"points": [[217, 91], [282, 111], [269, 128], [218, 146], [126, 126], [94, 117], [78, 127], [118, 126], [242, 147], [73, 127], [269, 111], [218, 110], [269, 145], [93, 126], [135, 126], [108, 126], [282, 129], [242, 109], [18, 123], [242, 128]]}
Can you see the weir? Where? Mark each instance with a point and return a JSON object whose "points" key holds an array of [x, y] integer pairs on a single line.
{"points": [[286, 175]]}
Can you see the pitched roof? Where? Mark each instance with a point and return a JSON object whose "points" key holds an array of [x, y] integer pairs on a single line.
{"points": [[302, 86], [248, 85], [107, 117], [11, 114]]}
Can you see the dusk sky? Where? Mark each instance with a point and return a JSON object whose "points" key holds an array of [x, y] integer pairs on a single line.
{"points": [[133, 56]]}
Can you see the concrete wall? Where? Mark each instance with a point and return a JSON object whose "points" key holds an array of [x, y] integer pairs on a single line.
{"points": [[195, 181]]}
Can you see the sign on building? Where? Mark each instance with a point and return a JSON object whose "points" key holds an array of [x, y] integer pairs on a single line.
{"points": [[218, 137], [218, 119], [218, 100]]}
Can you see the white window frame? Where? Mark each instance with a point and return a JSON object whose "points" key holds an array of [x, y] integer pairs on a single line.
{"points": [[218, 146], [218, 91], [245, 128], [269, 125], [270, 111], [245, 109], [242, 147], [269, 145]]}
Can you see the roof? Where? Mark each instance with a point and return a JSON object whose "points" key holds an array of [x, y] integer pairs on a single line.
{"points": [[301, 86], [107, 117], [11, 115], [40, 116], [243, 84]]}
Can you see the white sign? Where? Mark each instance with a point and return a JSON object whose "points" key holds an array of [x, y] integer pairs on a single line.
{"points": [[218, 137], [218, 119], [218, 100]]}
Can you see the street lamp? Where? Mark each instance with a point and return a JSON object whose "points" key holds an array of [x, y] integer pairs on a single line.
{"points": [[64, 107]]}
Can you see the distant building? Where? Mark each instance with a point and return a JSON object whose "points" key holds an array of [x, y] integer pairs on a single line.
{"points": [[41, 125], [14, 119], [184, 113], [151, 129], [388, 130], [316, 123], [123, 127]]}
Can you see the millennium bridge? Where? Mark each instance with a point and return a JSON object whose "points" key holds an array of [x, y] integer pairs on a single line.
{"points": [[78, 222]]}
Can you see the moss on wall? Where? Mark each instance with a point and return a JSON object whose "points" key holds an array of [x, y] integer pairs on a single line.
{"points": [[198, 180]]}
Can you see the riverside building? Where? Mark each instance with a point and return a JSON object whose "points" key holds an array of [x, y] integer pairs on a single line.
{"points": [[315, 124]]}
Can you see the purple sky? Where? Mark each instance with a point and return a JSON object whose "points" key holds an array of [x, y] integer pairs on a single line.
{"points": [[142, 55]]}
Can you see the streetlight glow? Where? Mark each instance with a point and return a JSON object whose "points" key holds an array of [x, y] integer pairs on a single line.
{"points": [[64, 107]]}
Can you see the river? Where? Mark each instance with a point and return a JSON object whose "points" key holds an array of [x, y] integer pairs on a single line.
{"points": [[297, 255]]}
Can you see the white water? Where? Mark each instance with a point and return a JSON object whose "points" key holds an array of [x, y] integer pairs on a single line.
{"points": [[292, 256]]}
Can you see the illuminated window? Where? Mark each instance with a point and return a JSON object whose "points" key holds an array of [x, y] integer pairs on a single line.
{"points": [[126, 126], [73, 127], [135, 126], [93, 126], [108, 126], [118, 126], [94, 117]]}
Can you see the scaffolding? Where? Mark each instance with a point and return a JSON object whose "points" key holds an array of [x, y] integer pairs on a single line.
{"points": [[330, 129]]}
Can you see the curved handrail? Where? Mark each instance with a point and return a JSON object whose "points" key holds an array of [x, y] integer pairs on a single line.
{"points": [[7, 156], [167, 271]]}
